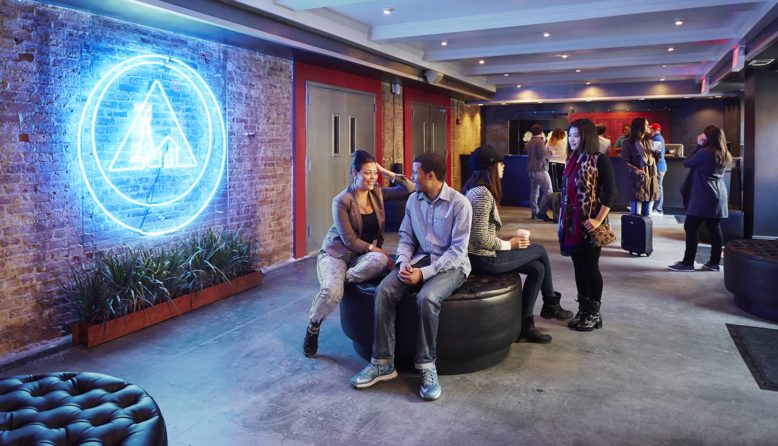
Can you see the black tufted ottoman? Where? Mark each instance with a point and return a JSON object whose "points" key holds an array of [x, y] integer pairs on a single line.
{"points": [[77, 409], [751, 274], [478, 323]]}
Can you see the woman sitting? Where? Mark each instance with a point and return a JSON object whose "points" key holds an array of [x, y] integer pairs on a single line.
{"points": [[351, 250], [491, 255]]}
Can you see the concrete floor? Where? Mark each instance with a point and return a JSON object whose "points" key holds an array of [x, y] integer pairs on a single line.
{"points": [[663, 370]]}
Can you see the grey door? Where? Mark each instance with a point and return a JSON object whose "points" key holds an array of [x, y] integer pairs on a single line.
{"points": [[337, 122], [428, 129]]}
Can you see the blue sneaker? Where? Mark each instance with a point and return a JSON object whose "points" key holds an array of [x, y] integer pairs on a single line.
{"points": [[430, 388], [680, 266], [373, 373]]}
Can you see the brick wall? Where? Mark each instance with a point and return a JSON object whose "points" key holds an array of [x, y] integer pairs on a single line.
{"points": [[50, 59], [465, 135]]}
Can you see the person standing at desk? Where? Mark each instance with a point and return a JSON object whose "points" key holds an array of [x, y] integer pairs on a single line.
{"points": [[661, 165], [539, 179]]}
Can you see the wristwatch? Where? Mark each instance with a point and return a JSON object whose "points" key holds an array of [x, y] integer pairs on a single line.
{"points": [[370, 247]]}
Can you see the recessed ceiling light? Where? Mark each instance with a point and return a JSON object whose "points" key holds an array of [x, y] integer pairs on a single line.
{"points": [[518, 85], [444, 43], [388, 11], [506, 74], [481, 62], [564, 56], [540, 102], [664, 66], [687, 97], [588, 100], [503, 103], [588, 83], [661, 79], [578, 70], [546, 34], [679, 22], [718, 96], [642, 99], [670, 49], [761, 62]]}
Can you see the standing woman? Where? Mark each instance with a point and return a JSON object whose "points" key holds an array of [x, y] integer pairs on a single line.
{"points": [[705, 196], [588, 192], [351, 250], [491, 255], [637, 152], [557, 147]]}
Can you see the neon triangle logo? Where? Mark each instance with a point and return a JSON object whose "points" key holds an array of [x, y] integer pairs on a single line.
{"points": [[139, 149]]}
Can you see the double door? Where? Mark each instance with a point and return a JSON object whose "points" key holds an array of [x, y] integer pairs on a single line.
{"points": [[428, 131], [337, 122]]}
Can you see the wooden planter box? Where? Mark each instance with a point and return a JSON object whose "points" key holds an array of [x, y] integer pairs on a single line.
{"points": [[91, 335]]}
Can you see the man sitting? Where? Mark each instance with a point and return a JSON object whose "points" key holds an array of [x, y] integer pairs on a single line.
{"points": [[431, 258]]}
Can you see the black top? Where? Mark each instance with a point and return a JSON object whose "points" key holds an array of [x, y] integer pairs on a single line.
{"points": [[606, 182], [369, 228]]}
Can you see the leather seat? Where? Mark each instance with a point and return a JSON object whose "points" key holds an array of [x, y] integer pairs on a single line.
{"points": [[478, 323], [751, 274], [77, 408]]}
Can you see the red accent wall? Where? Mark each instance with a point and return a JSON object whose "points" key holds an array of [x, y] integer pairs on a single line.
{"points": [[412, 95], [302, 74], [614, 121]]}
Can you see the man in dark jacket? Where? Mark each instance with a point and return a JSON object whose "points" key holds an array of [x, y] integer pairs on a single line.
{"points": [[539, 179]]}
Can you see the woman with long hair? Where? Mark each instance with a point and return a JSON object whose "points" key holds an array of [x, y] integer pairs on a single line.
{"points": [[351, 250], [557, 147], [705, 196], [588, 192], [637, 153], [492, 255]]}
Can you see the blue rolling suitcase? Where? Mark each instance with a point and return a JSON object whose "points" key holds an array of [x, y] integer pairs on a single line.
{"points": [[637, 234]]}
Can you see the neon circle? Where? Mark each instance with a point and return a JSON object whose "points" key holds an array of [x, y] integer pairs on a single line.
{"points": [[192, 125]]}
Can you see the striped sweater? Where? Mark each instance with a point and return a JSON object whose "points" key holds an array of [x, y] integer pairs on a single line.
{"points": [[486, 223]]}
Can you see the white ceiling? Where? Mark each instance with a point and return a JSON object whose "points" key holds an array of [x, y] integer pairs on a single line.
{"points": [[610, 41]]}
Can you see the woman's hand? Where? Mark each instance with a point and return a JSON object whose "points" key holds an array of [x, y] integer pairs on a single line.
{"points": [[389, 262], [702, 139], [384, 171], [592, 224], [519, 242]]}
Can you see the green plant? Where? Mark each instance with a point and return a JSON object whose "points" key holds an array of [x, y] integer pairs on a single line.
{"points": [[140, 278]]}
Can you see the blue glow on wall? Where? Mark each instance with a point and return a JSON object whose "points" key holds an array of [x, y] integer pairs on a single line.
{"points": [[152, 145]]}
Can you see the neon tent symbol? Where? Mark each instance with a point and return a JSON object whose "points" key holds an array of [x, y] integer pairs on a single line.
{"points": [[139, 149]]}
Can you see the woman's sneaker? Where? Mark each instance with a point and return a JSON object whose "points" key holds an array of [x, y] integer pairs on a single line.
{"points": [[710, 267], [680, 266]]}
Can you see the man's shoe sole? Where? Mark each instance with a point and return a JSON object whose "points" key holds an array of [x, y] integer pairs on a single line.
{"points": [[681, 270], [429, 397], [375, 380]]}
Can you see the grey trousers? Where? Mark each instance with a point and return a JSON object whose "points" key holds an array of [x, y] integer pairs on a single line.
{"points": [[539, 186], [334, 272]]}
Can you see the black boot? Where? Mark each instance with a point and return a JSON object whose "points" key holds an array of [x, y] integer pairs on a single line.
{"points": [[531, 334], [311, 341], [582, 303], [552, 310], [592, 319]]}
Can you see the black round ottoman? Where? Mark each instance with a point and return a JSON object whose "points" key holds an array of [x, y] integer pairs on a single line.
{"points": [[77, 408], [751, 274], [478, 323]]}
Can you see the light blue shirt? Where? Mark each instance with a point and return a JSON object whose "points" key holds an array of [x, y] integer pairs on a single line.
{"points": [[439, 229]]}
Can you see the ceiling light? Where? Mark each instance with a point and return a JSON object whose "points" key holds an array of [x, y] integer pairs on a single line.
{"points": [[664, 66], [540, 102], [588, 83], [661, 79], [564, 56], [670, 49], [687, 97], [679, 22], [588, 100], [546, 34], [518, 86], [481, 62], [444, 43], [718, 96], [642, 99], [503, 103], [760, 62], [578, 70], [388, 11], [506, 74]]}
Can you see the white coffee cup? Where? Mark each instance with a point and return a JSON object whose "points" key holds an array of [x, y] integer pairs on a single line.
{"points": [[522, 233]]}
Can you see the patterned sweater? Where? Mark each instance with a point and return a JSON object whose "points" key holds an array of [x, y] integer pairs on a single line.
{"points": [[486, 223]]}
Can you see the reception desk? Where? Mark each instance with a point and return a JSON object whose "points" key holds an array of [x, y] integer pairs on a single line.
{"points": [[515, 182]]}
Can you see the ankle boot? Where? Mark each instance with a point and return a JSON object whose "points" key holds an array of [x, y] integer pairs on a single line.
{"points": [[552, 310], [531, 334], [311, 341], [592, 319], [582, 303]]}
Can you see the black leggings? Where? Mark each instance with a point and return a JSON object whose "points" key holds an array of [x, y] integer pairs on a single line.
{"points": [[691, 225], [588, 279]]}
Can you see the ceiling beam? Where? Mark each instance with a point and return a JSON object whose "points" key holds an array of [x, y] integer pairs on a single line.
{"points": [[300, 5], [648, 71], [538, 16], [591, 63], [594, 43]]}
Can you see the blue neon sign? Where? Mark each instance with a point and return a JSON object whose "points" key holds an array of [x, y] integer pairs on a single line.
{"points": [[152, 145]]}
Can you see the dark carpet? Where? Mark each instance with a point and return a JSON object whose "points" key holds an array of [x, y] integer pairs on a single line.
{"points": [[759, 349]]}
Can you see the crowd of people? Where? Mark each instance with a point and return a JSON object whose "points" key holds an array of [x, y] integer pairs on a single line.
{"points": [[445, 234]]}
